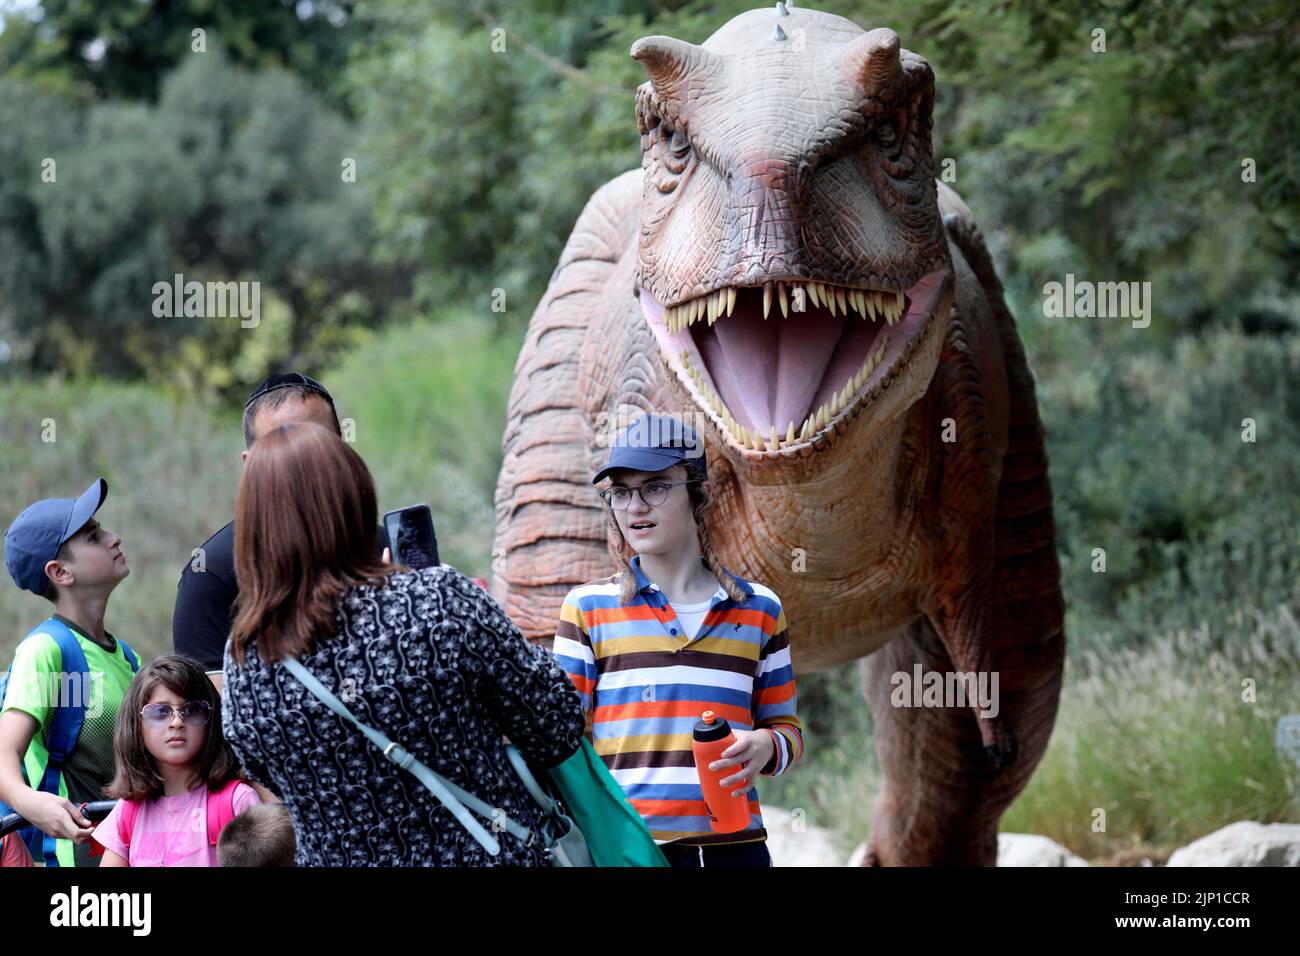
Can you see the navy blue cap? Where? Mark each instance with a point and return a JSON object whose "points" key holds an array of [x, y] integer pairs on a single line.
{"points": [[37, 534], [655, 443]]}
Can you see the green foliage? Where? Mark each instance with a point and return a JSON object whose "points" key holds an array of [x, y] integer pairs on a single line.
{"points": [[1148, 463], [485, 147], [1166, 740], [123, 48], [231, 176], [429, 405]]}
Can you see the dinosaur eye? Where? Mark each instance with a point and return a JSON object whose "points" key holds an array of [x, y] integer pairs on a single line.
{"points": [[677, 150], [666, 151], [678, 144], [890, 135]]}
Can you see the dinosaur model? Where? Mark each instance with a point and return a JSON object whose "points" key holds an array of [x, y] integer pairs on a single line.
{"points": [[785, 272]]}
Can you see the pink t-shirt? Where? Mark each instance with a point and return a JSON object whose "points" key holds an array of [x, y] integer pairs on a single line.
{"points": [[170, 831]]}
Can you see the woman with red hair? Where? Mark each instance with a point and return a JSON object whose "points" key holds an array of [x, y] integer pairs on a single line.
{"points": [[425, 656]]}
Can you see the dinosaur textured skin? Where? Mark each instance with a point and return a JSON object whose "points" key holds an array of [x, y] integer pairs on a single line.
{"points": [[785, 271]]}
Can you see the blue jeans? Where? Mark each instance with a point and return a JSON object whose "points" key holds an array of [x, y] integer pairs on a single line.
{"points": [[733, 855]]}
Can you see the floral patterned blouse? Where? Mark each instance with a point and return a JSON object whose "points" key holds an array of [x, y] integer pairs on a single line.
{"points": [[432, 661]]}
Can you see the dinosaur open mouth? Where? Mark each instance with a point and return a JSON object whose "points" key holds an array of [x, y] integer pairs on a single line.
{"points": [[777, 365]]}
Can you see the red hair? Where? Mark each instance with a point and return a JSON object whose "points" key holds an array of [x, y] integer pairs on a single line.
{"points": [[305, 532]]}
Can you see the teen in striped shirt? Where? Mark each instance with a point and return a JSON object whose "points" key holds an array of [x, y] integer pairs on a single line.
{"points": [[673, 634]]}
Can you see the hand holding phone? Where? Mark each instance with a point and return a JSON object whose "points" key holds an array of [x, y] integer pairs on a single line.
{"points": [[411, 537]]}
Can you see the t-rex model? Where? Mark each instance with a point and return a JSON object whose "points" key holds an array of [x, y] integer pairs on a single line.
{"points": [[785, 269]]}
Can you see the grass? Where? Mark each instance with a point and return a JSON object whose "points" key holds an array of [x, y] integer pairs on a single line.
{"points": [[1157, 746]]}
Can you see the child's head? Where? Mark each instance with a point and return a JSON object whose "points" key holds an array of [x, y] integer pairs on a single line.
{"points": [[171, 716], [659, 496], [56, 544], [661, 518], [260, 836]]}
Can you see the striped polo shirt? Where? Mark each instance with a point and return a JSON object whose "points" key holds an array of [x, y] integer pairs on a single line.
{"points": [[644, 683]]}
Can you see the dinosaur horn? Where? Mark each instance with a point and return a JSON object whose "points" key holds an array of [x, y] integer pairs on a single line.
{"points": [[873, 58], [669, 61]]}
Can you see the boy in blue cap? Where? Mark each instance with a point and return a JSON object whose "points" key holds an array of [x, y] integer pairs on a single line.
{"points": [[69, 675]]}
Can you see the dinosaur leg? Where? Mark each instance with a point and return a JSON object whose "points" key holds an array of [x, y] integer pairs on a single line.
{"points": [[933, 764], [941, 799], [963, 620]]}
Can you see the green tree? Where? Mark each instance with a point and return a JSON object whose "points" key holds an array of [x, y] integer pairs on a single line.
{"points": [[123, 49], [231, 176]]}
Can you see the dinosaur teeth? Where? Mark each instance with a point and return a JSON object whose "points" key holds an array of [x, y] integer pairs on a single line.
{"points": [[789, 296], [873, 305]]}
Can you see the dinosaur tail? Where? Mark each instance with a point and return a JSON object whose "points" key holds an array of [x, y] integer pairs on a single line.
{"points": [[1029, 608], [551, 530]]}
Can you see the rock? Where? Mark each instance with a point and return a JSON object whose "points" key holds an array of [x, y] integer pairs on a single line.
{"points": [[793, 842], [1032, 849], [1014, 849], [859, 852], [1244, 843]]}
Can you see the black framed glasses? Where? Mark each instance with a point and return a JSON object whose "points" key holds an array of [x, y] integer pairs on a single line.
{"points": [[652, 493], [193, 712]]}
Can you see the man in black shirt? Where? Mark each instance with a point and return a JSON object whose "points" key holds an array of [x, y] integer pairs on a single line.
{"points": [[206, 593]]}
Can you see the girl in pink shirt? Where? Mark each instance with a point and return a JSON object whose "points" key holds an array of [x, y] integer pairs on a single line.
{"points": [[174, 771]]}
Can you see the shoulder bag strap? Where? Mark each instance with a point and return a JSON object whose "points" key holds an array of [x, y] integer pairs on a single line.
{"points": [[448, 794]]}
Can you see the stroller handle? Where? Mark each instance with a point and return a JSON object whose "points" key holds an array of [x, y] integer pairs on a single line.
{"points": [[94, 811]]}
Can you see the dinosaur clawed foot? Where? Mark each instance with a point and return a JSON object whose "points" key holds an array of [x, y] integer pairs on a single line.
{"points": [[1002, 749]]}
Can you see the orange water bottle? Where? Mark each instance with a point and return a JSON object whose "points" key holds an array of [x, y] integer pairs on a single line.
{"points": [[727, 814]]}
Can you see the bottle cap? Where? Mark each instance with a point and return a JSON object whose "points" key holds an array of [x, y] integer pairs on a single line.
{"points": [[711, 727]]}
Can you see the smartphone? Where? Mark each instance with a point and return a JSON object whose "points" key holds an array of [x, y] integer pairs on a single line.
{"points": [[411, 538]]}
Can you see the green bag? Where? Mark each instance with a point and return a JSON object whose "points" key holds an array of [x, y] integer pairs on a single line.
{"points": [[616, 834]]}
